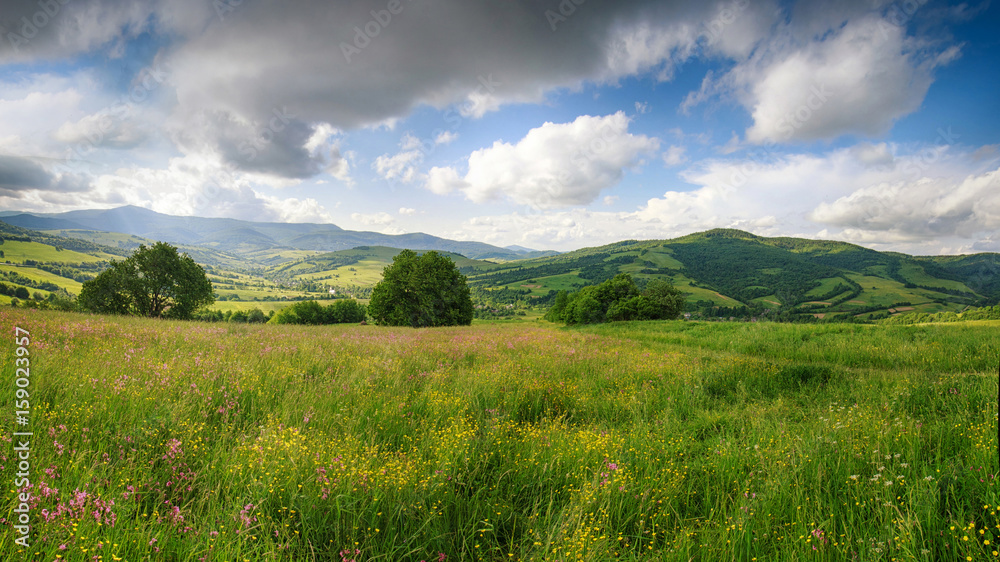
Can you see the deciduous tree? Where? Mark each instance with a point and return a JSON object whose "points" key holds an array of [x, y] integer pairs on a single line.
{"points": [[421, 291], [154, 281]]}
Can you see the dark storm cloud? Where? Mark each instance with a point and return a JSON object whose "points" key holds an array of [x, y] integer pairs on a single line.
{"points": [[359, 63], [49, 29], [274, 146], [18, 175]]}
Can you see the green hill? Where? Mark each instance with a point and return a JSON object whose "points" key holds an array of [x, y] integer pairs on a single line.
{"points": [[723, 270], [47, 262], [361, 266], [125, 244]]}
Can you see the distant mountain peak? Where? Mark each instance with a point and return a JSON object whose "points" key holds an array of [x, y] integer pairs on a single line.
{"points": [[520, 249], [241, 236]]}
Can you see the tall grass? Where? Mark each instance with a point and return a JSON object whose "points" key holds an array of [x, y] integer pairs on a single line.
{"points": [[648, 441]]}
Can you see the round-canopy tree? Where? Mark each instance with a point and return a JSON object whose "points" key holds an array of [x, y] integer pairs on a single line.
{"points": [[421, 291], [154, 281]]}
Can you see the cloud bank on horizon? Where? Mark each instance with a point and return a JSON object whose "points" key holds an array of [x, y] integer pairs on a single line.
{"points": [[552, 124]]}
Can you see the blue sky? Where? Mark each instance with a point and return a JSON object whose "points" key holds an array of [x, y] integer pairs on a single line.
{"points": [[547, 124]]}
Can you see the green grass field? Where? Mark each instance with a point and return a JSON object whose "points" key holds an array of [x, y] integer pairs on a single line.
{"points": [[917, 276], [16, 252], [265, 306], [696, 294], [113, 239], [826, 285], [540, 286], [160, 440], [35, 274], [661, 257]]}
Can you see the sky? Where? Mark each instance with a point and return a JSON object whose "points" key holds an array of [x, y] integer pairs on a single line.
{"points": [[548, 124]]}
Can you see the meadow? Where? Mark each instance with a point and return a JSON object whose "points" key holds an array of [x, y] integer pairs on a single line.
{"points": [[162, 440]]}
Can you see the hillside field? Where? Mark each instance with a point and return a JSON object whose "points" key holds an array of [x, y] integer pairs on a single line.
{"points": [[161, 440], [723, 273]]}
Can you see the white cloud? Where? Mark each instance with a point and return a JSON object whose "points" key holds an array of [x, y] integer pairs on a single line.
{"points": [[378, 219], [674, 156], [400, 166], [554, 165], [407, 211], [859, 78], [651, 44], [325, 144], [445, 137], [339, 166], [28, 117], [444, 180], [874, 154], [610, 200], [932, 200], [295, 210], [109, 129], [927, 208], [189, 185]]}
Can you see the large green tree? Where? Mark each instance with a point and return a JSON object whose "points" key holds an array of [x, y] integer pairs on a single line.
{"points": [[618, 299], [420, 291], [155, 281]]}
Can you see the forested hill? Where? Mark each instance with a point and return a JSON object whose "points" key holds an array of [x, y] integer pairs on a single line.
{"points": [[726, 269]]}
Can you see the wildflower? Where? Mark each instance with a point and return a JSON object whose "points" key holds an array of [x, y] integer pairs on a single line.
{"points": [[818, 533]]}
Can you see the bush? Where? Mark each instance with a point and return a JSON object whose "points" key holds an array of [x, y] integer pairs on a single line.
{"points": [[311, 312], [617, 299]]}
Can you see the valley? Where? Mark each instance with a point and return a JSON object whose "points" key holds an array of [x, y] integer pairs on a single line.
{"points": [[723, 273]]}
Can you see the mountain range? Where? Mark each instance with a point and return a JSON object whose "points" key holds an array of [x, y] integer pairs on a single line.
{"points": [[717, 270], [245, 238]]}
